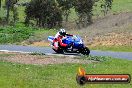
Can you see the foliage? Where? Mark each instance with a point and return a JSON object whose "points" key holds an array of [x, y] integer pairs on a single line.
{"points": [[2, 17], [84, 11], [65, 6], [106, 6], [14, 34], [44, 12], [10, 6], [97, 58], [51, 13], [0, 3]]}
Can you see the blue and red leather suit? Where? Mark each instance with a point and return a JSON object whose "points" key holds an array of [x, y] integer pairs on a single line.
{"points": [[58, 41]]}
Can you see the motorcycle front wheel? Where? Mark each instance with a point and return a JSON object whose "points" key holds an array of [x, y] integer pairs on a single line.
{"points": [[85, 51]]}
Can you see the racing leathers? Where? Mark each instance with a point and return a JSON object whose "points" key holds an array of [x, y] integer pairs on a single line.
{"points": [[58, 41]]}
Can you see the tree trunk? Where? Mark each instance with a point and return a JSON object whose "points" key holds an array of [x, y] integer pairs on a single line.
{"points": [[67, 15], [0, 3], [15, 14], [8, 11]]}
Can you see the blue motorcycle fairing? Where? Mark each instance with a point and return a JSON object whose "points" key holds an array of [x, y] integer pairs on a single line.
{"points": [[76, 40]]}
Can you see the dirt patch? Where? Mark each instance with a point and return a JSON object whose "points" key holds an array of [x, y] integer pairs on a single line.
{"points": [[104, 25], [114, 29], [113, 20], [41, 43], [113, 39], [41, 59], [36, 43]]}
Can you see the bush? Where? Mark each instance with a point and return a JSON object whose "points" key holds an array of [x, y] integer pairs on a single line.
{"points": [[15, 34]]}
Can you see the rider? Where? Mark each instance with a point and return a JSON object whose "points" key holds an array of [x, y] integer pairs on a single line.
{"points": [[58, 39]]}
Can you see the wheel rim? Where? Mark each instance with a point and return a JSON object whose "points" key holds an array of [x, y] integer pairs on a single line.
{"points": [[86, 51]]}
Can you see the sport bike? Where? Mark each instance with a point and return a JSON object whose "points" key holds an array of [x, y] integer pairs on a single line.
{"points": [[76, 45]]}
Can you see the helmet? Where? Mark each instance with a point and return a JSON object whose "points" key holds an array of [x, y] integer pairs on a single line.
{"points": [[62, 32]]}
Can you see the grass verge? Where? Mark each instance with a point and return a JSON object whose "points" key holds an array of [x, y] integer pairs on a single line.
{"points": [[113, 48], [15, 75], [15, 34], [19, 33], [122, 6]]}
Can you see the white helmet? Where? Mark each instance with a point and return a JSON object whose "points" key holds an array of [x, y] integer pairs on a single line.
{"points": [[62, 32]]}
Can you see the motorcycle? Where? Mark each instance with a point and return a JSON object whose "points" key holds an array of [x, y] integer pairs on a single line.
{"points": [[76, 42]]}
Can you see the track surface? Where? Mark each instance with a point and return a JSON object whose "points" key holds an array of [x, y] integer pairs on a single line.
{"points": [[48, 50]]}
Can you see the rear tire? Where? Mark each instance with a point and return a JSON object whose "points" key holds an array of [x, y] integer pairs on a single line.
{"points": [[60, 51], [85, 51]]}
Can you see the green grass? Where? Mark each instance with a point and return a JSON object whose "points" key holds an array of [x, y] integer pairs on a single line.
{"points": [[118, 6], [12, 34], [41, 35], [44, 33], [5, 55], [13, 75], [113, 48], [122, 5], [19, 33]]}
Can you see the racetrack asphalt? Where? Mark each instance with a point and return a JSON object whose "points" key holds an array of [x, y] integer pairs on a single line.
{"points": [[48, 50]]}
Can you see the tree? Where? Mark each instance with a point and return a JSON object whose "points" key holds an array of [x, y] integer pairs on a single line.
{"points": [[65, 6], [0, 3], [106, 6], [10, 6], [8, 10], [44, 12], [84, 10]]}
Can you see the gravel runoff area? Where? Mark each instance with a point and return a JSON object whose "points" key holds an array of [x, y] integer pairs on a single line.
{"points": [[25, 58]]}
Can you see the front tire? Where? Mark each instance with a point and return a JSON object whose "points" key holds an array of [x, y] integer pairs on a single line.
{"points": [[85, 51]]}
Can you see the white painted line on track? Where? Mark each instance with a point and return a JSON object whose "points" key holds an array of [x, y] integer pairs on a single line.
{"points": [[14, 51], [49, 54]]}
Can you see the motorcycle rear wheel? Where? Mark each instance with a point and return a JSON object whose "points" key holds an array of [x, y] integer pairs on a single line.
{"points": [[60, 51]]}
